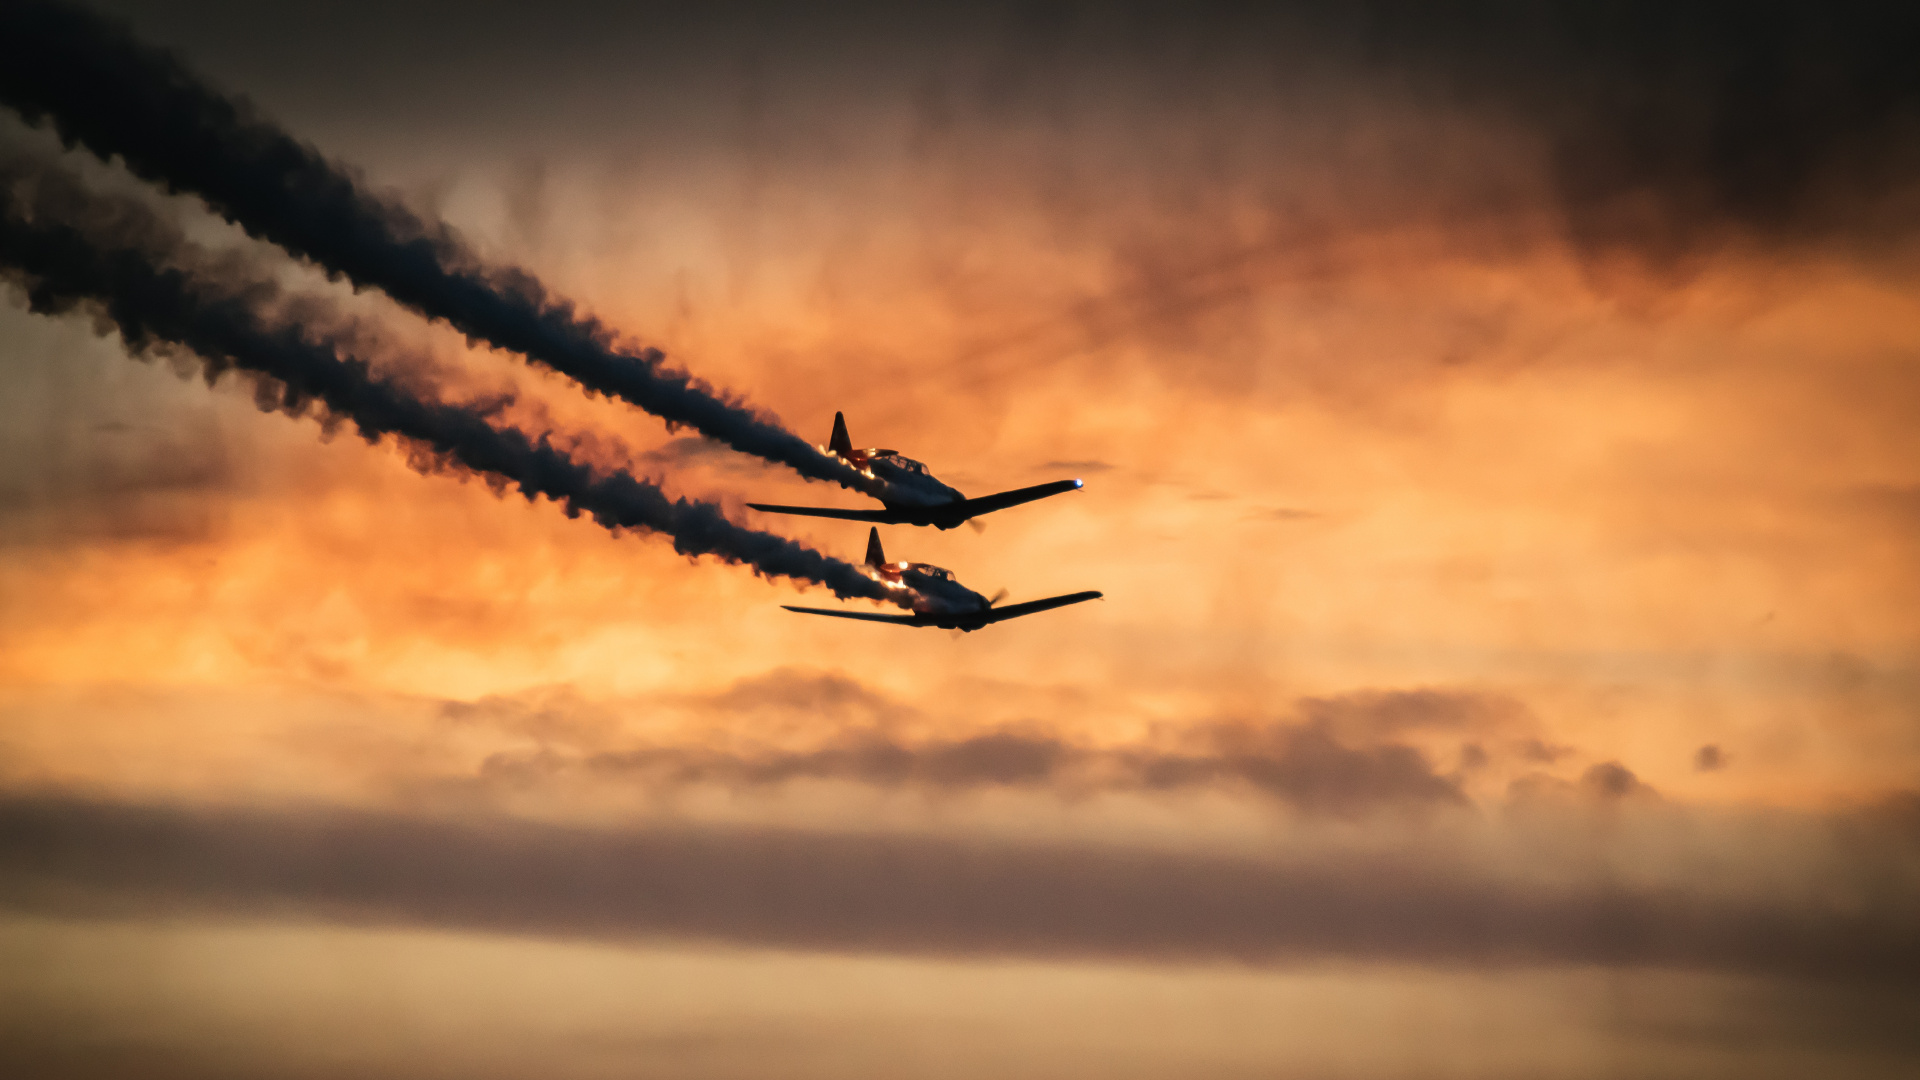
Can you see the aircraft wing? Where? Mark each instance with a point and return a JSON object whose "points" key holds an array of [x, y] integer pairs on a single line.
{"points": [[987, 504], [1014, 611], [946, 515], [880, 517], [969, 621], [864, 616]]}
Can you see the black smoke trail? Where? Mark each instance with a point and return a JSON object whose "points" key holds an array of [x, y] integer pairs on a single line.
{"points": [[107, 92], [156, 303]]}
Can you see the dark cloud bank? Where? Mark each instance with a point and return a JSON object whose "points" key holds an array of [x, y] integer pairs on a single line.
{"points": [[1667, 126], [1676, 124], [904, 894]]}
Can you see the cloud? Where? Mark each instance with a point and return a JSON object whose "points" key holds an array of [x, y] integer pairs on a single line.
{"points": [[116, 481], [1340, 756], [824, 694], [906, 894], [982, 760], [1540, 751], [1670, 126], [1602, 783], [693, 451], [1382, 713], [1612, 780], [1304, 767], [1281, 513], [1666, 127]]}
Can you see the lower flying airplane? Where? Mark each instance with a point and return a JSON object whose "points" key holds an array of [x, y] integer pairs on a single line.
{"points": [[938, 600], [913, 496]]}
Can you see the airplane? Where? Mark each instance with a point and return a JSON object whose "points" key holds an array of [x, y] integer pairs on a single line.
{"points": [[938, 600], [913, 496]]}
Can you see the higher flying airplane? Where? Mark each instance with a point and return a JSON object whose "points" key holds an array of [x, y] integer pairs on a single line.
{"points": [[913, 496], [938, 600]]}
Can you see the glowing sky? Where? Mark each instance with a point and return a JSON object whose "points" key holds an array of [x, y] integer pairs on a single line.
{"points": [[1501, 469]]}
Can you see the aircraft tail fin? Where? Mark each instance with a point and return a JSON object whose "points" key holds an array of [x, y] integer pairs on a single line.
{"points": [[876, 558], [840, 443]]}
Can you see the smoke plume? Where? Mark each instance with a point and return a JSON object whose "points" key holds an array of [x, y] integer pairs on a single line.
{"points": [[118, 259], [105, 91]]}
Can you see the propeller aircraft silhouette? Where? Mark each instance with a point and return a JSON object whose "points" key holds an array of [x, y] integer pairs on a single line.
{"points": [[913, 496], [937, 598]]}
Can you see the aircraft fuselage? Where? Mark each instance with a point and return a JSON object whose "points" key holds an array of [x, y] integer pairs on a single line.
{"points": [[935, 597], [933, 589], [913, 495]]}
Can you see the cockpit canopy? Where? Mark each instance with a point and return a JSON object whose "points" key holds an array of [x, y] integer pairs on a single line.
{"points": [[904, 463], [934, 571]]}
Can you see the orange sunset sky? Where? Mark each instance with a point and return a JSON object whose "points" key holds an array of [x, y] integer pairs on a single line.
{"points": [[1500, 458]]}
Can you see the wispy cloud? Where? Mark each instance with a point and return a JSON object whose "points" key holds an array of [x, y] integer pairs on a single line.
{"points": [[1347, 756]]}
